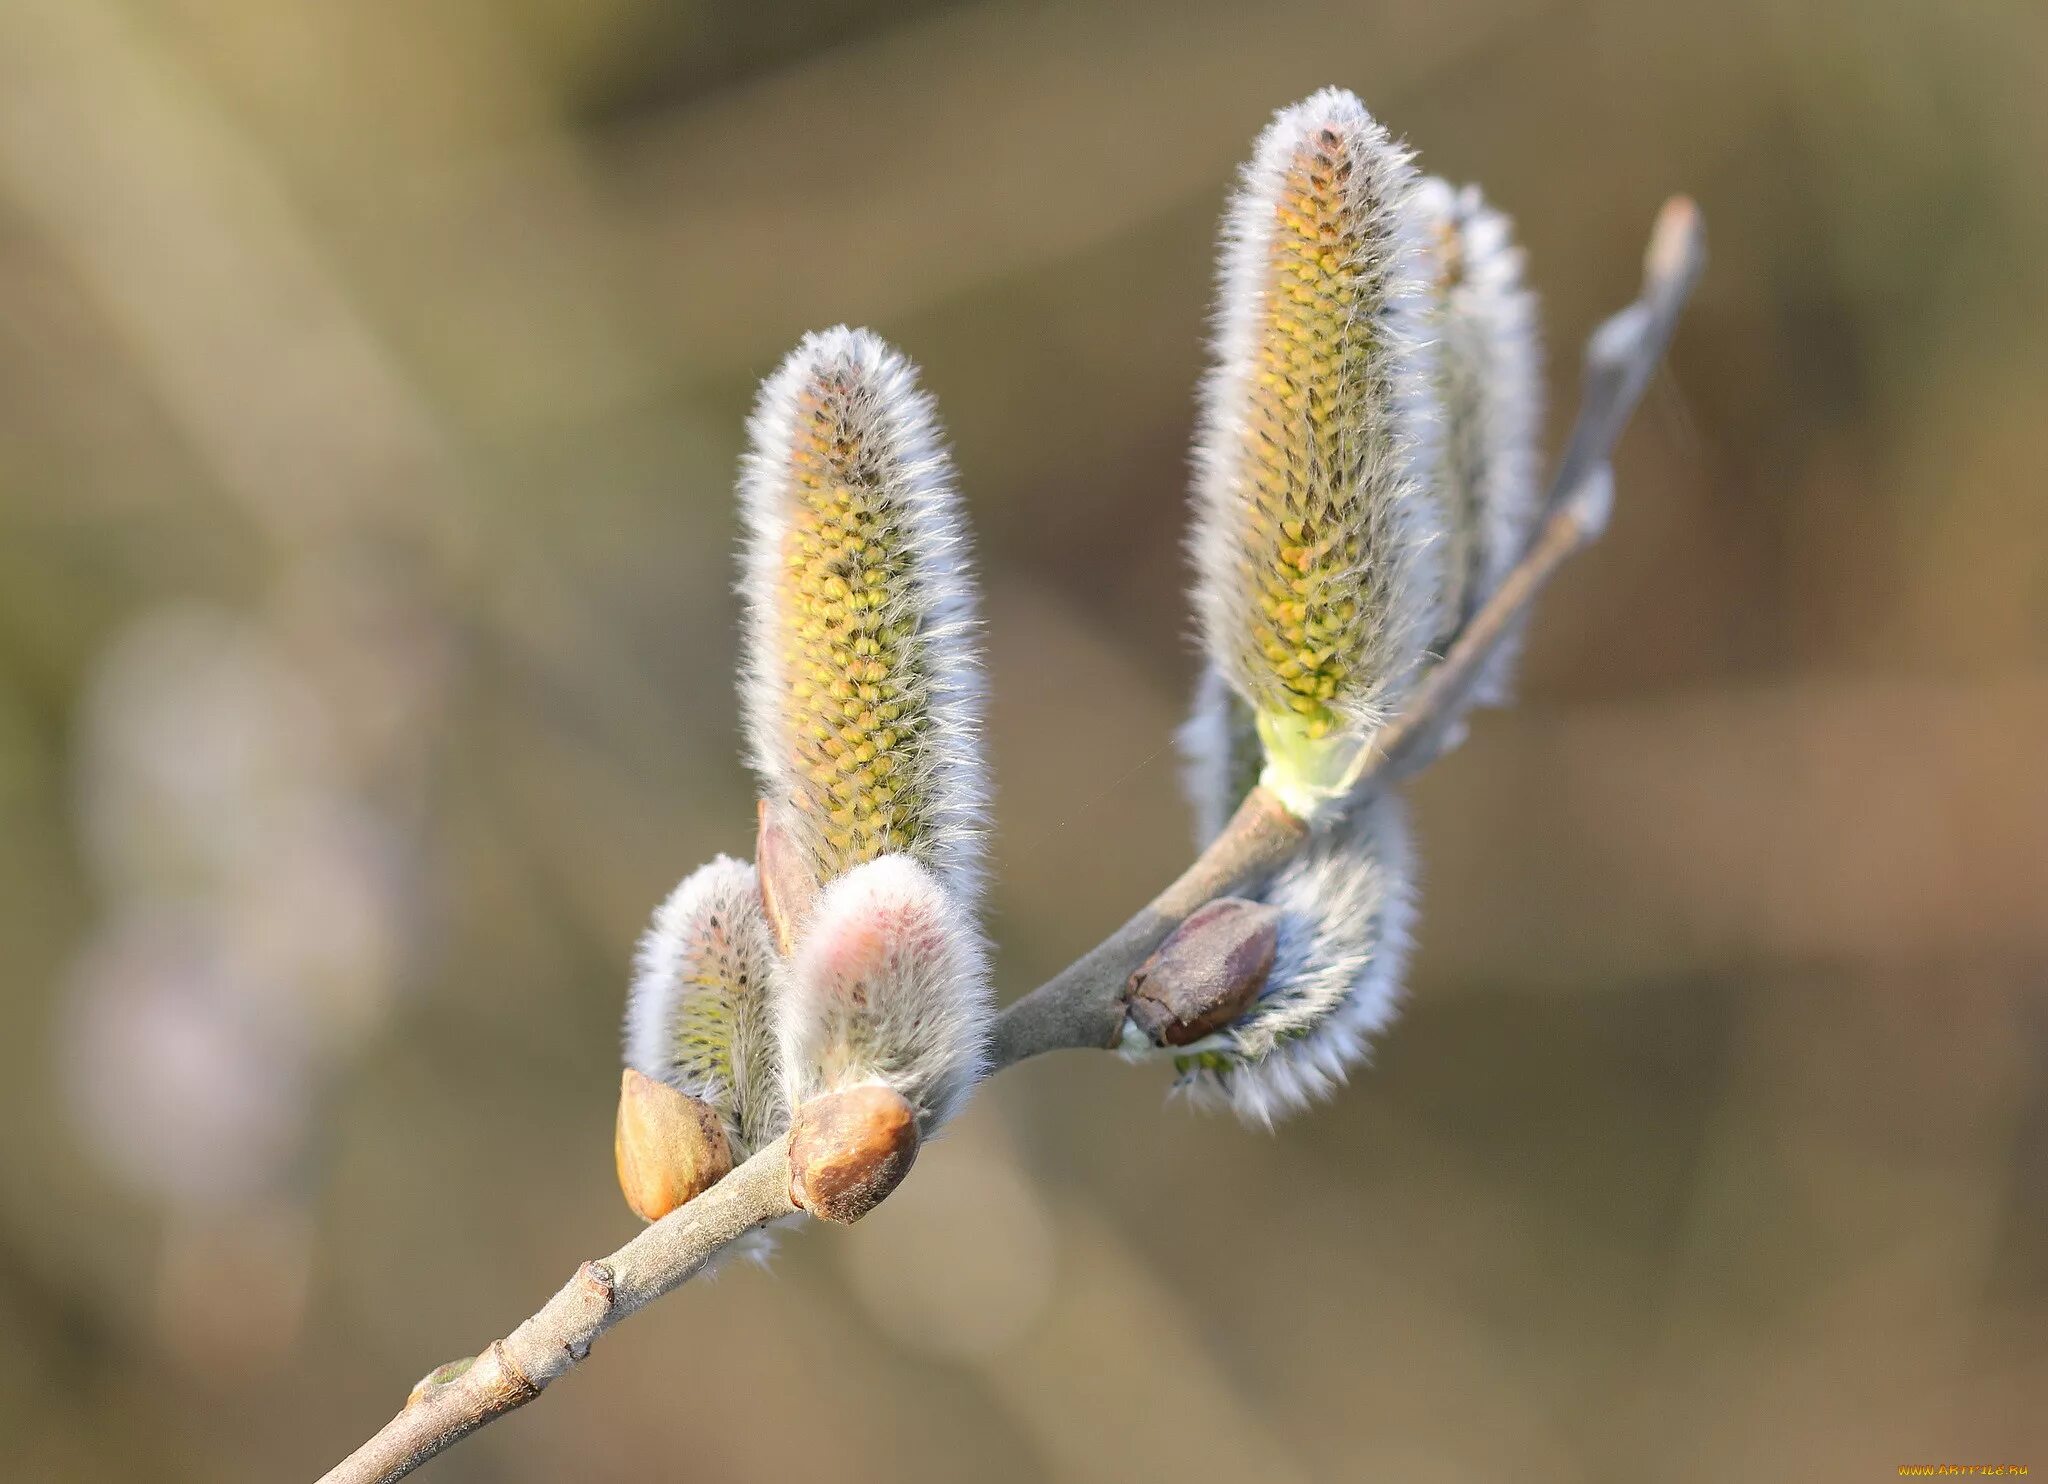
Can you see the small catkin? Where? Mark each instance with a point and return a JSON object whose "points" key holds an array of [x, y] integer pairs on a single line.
{"points": [[1315, 536], [1490, 388], [860, 685], [889, 985], [1347, 906], [699, 1013]]}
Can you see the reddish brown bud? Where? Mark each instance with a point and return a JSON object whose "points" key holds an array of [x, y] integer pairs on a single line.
{"points": [[848, 1150], [787, 886], [669, 1146], [1206, 974]]}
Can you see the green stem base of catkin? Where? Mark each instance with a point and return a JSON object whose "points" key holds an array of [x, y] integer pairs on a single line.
{"points": [[1305, 771]]}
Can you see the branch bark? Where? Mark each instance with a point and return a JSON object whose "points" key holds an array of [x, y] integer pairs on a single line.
{"points": [[1083, 1005], [457, 1399]]}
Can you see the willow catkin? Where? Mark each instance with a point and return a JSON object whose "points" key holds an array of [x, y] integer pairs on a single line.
{"points": [[862, 693], [1347, 906], [1315, 542], [699, 1015], [860, 685], [1489, 388], [889, 985]]}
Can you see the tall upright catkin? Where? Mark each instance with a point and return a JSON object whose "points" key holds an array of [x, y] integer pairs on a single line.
{"points": [[862, 694], [1315, 540], [860, 688]]}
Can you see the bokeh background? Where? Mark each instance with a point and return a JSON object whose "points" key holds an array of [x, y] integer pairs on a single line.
{"points": [[371, 379]]}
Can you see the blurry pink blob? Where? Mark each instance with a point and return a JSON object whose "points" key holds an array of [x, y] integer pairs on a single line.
{"points": [[197, 736], [189, 1077], [322, 920]]}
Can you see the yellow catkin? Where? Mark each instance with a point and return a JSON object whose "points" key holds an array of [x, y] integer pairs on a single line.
{"points": [[860, 684], [1314, 539], [1311, 392], [850, 651]]}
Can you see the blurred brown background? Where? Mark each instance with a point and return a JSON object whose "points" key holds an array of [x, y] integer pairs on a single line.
{"points": [[371, 378]]}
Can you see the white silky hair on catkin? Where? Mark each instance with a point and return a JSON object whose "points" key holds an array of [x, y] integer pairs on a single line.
{"points": [[699, 1012], [891, 985], [879, 410], [1490, 386], [1220, 754], [1348, 904], [1385, 455]]}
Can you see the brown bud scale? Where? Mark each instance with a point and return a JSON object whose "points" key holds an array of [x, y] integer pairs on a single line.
{"points": [[848, 1150], [1207, 974], [787, 886], [670, 1147]]}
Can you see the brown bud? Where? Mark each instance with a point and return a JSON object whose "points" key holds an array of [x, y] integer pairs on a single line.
{"points": [[848, 1150], [669, 1146], [1206, 974], [787, 886]]}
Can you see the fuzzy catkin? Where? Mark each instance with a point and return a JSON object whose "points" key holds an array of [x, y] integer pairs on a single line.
{"points": [[1347, 914], [1489, 387], [889, 985], [1315, 543], [699, 1012], [1348, 905], [860, 686]]}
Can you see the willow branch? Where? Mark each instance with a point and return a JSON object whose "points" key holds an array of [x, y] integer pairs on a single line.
{"points": [[1083, 1005], [455, 1400]]}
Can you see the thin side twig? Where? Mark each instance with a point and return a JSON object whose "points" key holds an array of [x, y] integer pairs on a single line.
{"points": [[1620, 357], [455, 1400], [1083, 1005]]}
